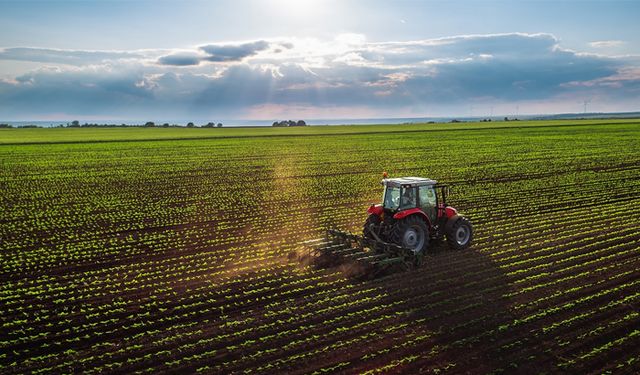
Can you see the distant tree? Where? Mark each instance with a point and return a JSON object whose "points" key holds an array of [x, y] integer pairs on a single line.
{"points": [[219, 125], [209, 125], [190, 125], [286, 123], [75, 124], [506, 119], [149, 124], [5, 126], [165, 125]]}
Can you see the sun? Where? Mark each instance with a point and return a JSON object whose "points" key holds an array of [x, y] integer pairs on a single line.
{"points": [[298, 8]]}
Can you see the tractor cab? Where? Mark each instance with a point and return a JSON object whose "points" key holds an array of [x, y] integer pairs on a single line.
{"points": [[408, 193]]}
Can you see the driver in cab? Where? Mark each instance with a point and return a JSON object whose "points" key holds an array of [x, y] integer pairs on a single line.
{"points": [[408, 198]]}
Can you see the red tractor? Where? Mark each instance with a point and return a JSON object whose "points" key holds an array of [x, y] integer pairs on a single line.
{"points": [[413, 212]]}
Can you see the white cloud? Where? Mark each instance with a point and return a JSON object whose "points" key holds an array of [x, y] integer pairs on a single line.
{"points": [[351, 39], [71, 57], [607, 44]]}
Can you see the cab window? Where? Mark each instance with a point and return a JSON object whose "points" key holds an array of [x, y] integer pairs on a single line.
{"points": [[408, 198], [428, 201], [392, 198]]}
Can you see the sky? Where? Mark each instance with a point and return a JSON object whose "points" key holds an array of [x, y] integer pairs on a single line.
{"points": [[162, 60]]}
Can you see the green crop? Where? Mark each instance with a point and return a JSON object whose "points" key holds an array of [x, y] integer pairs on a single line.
{"points": [[180, 250]]}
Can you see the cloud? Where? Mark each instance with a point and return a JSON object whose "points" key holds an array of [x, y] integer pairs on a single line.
{"points": [[625, 78], [515, 47], [180, 59], [607, 44], [90, 91], [441, 76], [230, 52], [72, 57], [222, 53]]}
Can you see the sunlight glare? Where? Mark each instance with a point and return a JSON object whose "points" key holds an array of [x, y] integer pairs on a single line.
{"points": [[298, 8]]}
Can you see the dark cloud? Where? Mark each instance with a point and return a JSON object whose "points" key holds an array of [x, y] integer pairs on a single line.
{"points": [[286, 45], [180, 60], [71, 57], [87, 92], [219, 53], [230, 52]]}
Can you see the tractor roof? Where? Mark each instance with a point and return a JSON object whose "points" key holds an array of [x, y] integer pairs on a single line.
{"points": [[408, 181]]}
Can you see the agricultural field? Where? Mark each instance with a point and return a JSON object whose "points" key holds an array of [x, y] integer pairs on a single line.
{"points": [[180, 250]]}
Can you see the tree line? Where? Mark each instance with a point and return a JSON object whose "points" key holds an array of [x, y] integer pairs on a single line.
{"points": [[148, 124], [289, 123]]}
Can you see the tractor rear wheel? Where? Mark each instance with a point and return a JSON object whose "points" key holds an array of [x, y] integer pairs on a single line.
{"points": [[460, 233], [412, 233], [366, 230], [374, 220]]}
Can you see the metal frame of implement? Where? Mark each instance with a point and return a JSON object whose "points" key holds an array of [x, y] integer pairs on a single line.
{"points": [[343, 247]]}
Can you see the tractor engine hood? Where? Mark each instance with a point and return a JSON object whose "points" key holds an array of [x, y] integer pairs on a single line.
{"points": [[376, 209]]}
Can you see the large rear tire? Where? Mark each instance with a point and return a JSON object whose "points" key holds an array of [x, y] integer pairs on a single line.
{"points": [[412, 233], [366, 230], [459, 233]]}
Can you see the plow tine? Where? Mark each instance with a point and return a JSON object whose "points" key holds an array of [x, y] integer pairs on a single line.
{"points": [[360, 254], [389, 261], [347, 252], [332, 249], [371, 258]]}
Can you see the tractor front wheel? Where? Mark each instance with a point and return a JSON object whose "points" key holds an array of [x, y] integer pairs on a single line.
{"points": [[459, 233], [412, 233]]}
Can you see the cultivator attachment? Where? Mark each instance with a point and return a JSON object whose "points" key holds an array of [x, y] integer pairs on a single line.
{"points": [[365, 255]]}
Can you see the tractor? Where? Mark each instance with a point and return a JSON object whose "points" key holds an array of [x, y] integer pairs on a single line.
{"points": [[413, 212]]}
